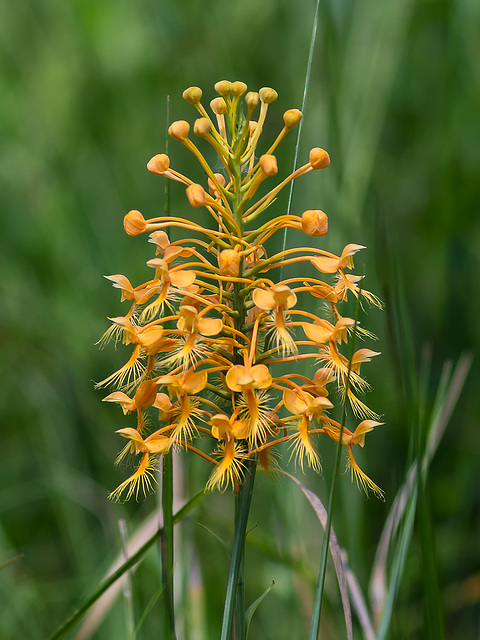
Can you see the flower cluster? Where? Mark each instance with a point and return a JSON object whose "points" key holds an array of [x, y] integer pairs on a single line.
{"points": [[205, 329]]}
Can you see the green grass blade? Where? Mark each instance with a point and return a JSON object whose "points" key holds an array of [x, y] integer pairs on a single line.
{"points": [[336, 552], [73, 620]]}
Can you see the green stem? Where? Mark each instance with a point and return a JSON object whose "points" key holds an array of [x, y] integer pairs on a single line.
{"points": [[166, 546], [234, 597]]}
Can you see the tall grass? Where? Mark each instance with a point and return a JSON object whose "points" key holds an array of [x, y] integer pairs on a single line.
{"points": [[394, 97]]}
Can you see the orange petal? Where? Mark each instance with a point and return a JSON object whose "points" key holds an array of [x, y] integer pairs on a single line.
{"points": [[293, 402], [261, 376], [318, 333], [233, 375], [325, 264], [264, 299], [210, 326], [195, 382], [182, 278]]}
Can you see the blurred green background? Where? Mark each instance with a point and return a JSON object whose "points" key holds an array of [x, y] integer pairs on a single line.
{"points": [[394, 97]]}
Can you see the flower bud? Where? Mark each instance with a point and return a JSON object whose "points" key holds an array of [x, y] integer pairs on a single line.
{"points": [[238, 88], [268, 95], [223, 87], [252, 125], [134, 223], [212, 189], [314, 222], [202, 127], [268, 164], [292, 117], [196, 195], [319, 158], [218, 106], [159, 164], [179, 129], [229, 262], [193, 95], [251, 99]]}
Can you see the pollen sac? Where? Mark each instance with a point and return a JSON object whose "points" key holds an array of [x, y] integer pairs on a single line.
{"points": [[314, 222]]}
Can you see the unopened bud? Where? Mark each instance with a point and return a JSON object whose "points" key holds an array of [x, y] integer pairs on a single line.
{"points": [[268, 95], [223, 87], [196, 195], [193, 95], [212, 189], [218, 106], [252, 125], [268, 164], [179, 129], [314, 222], [292, 117], [319, 158], [202, 127], [238, 88], [229, 262], [159, 164], [134, 223], [251, 99]]}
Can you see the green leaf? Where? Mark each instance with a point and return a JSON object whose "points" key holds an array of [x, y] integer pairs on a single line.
{"points": [[253, 607]]}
